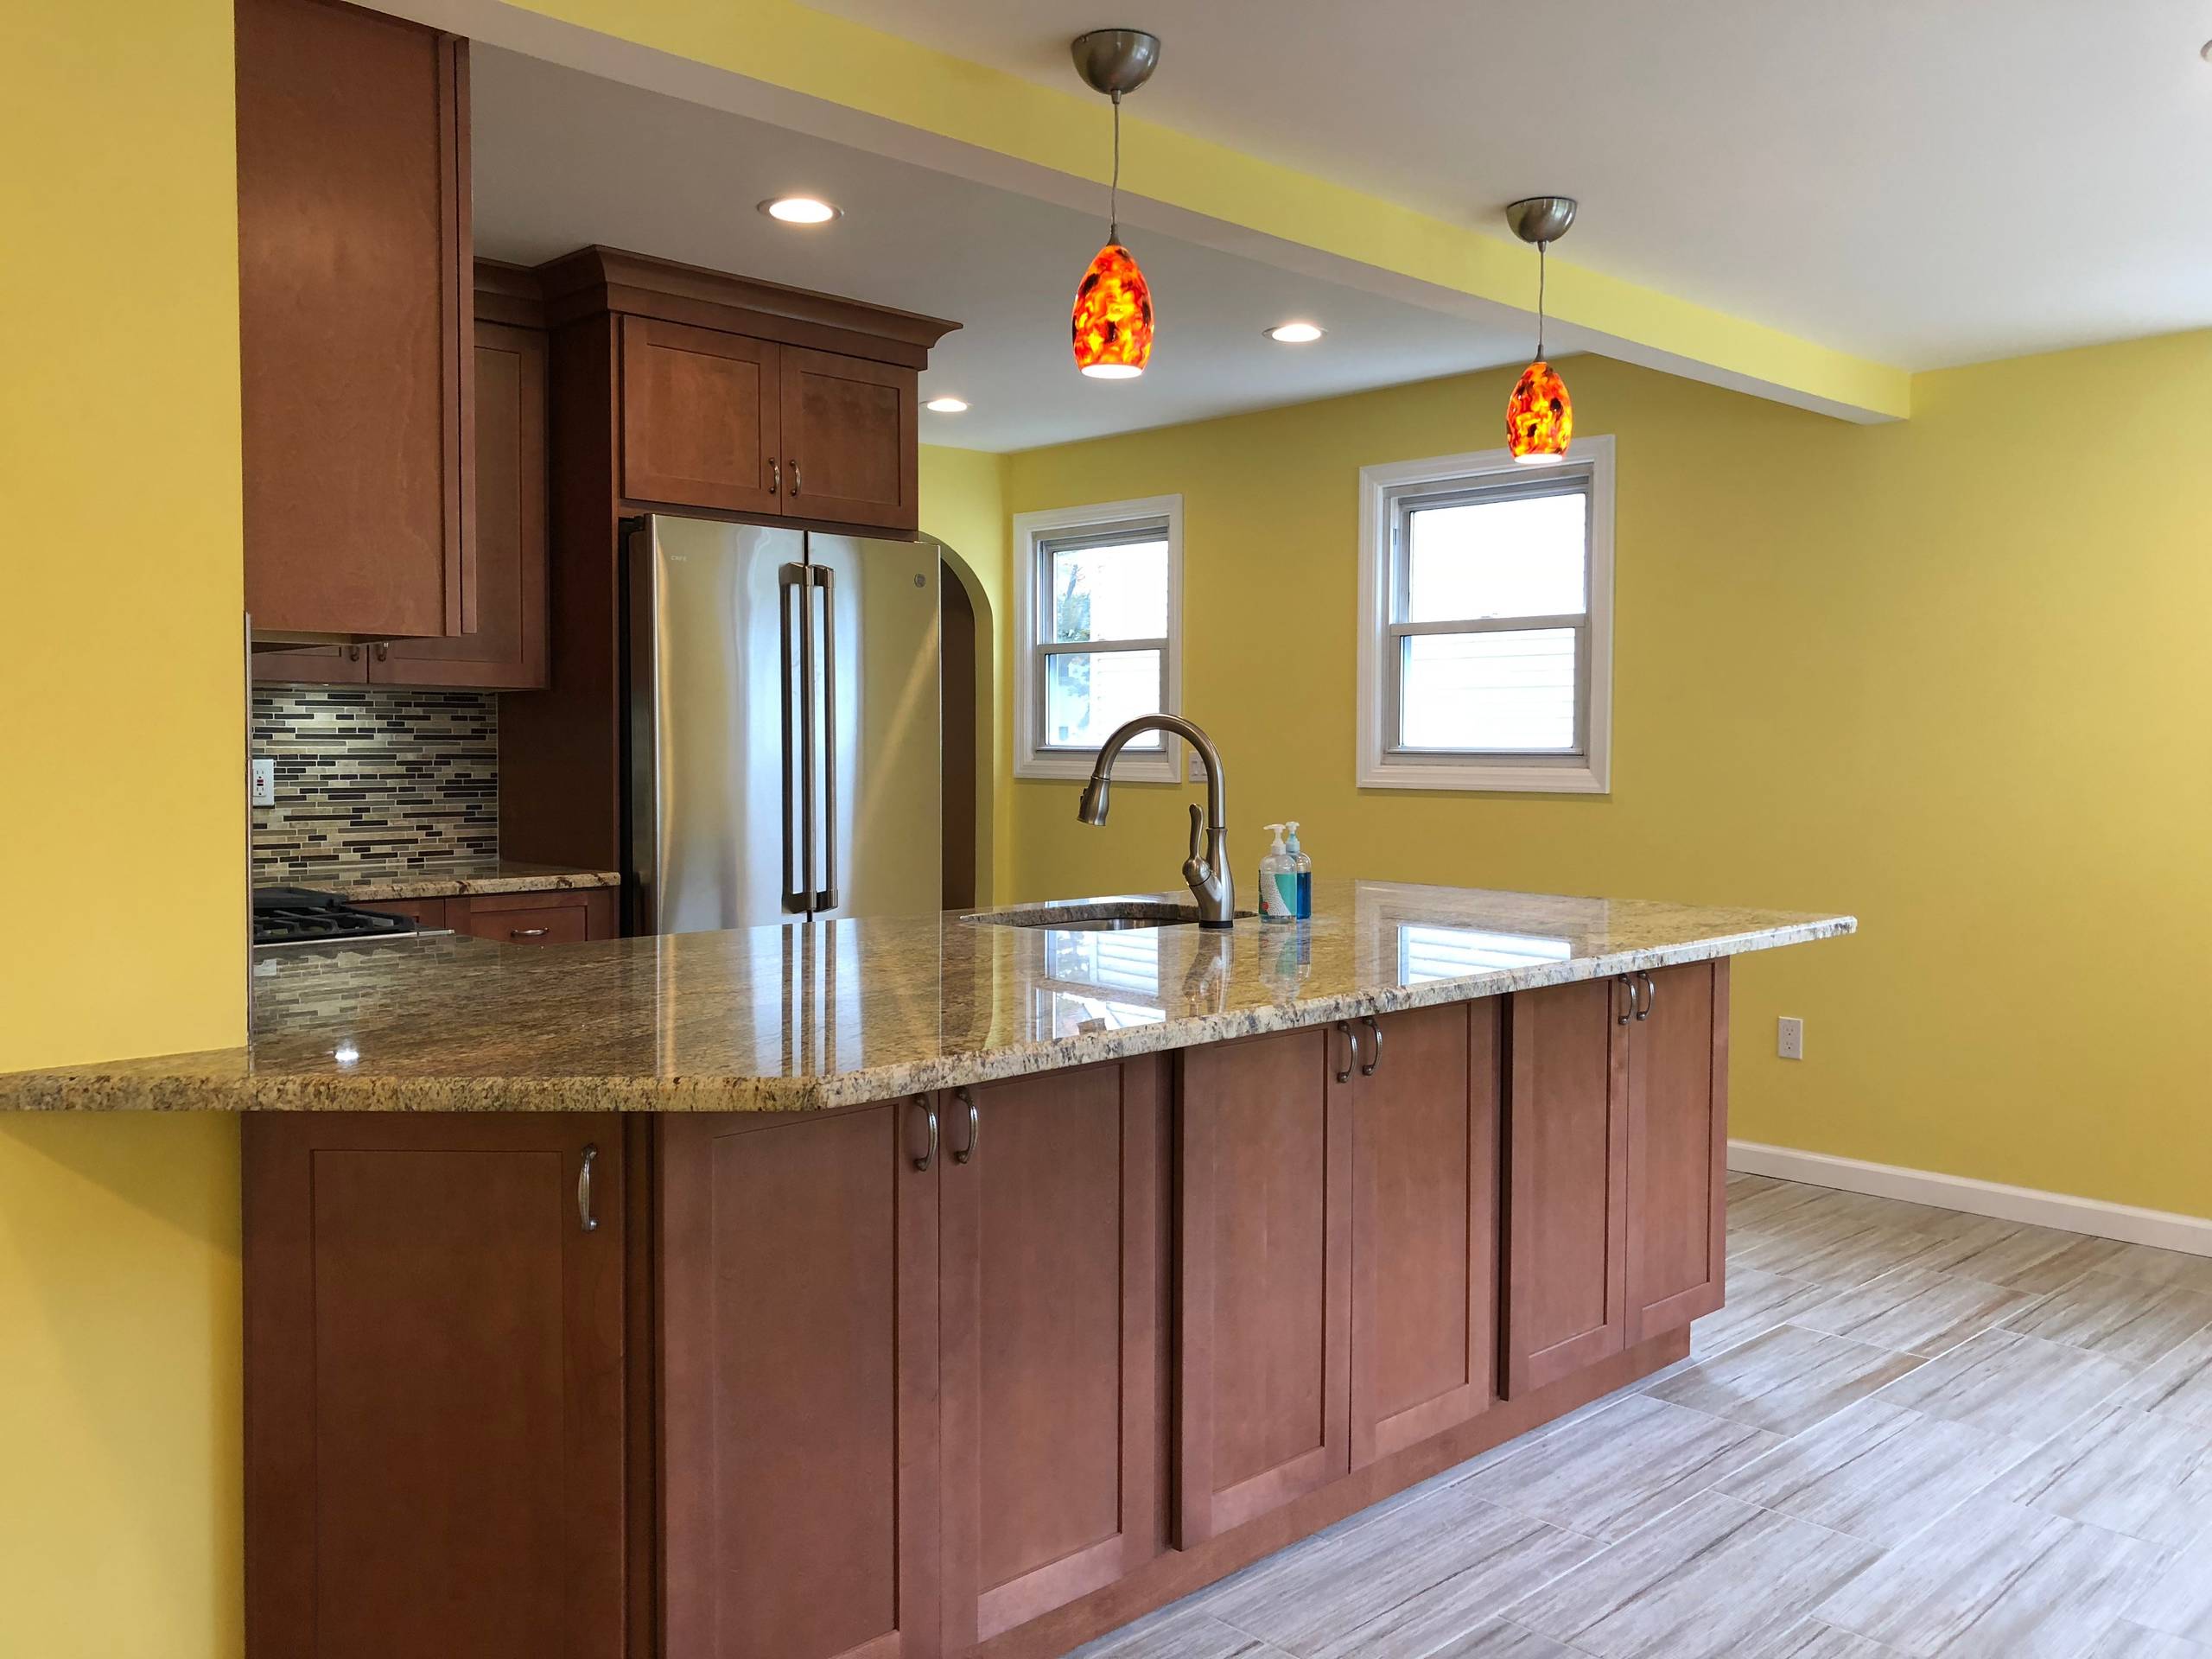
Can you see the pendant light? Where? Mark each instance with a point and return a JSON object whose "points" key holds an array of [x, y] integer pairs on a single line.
{"points": [[1112, 323], [1540, 415]]}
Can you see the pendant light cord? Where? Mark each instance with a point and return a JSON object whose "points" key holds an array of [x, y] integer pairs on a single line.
{"points": [[1114, 191], [1541, 248]]}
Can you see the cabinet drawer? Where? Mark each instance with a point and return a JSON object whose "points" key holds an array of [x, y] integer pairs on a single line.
{"points": [[569, 917], [562, 924], [423, 912]]}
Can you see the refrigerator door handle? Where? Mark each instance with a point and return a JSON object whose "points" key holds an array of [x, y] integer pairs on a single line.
{"points": [[799, 793], [825, 897]]}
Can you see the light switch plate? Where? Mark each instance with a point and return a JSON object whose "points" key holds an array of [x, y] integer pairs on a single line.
{"points": [[264, 792], [1790, 1038]]}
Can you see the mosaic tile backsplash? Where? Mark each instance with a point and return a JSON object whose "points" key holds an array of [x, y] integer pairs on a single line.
{"points": [[374, 777]]}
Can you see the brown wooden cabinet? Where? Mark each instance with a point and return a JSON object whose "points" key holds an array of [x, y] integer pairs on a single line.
{"points": [[1617, 1140], [507, 650], [1266, 1244], [434, 1349], [1053, 1307], [848, 440], [702, 414], [570, 917], [1424, 1206], [1566, 1181], [356, 372], [1678, 1149], [798, 1288]]}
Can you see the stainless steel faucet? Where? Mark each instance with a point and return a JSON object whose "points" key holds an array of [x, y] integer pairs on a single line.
{"points": [[1212, 884]]}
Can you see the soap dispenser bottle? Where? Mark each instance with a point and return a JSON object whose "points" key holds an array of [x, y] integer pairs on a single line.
{"points": [[1278, 881], [1302, 869]]}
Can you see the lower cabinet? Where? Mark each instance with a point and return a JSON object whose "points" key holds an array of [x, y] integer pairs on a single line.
{"points": [[1055, 1399], [1266, 1274], [1616, 1165], [433, 1423], [912, 1377], [1424, 1226], [894, 1381], [800, 1437], [1677, 1149]]}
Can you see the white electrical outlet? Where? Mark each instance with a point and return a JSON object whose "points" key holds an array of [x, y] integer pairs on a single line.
{"points": [[1790, 1038], [264, 792]]}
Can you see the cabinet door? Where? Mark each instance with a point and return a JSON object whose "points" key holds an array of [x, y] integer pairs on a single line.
{"points": [[798, 1386], [1566, 1181], [434, 1373], [700, 414], [354, 320], [1678, 1150], [848, 440], [1424, 1304], [1053, 1423], [1266, 1245], [507, 650], [316, 665]]}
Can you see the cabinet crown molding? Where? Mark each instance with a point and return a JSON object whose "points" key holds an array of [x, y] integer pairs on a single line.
{"points": [[599, 279]]}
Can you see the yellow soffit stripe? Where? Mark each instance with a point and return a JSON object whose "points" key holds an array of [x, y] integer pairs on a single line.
{"points": [[783, 45]]}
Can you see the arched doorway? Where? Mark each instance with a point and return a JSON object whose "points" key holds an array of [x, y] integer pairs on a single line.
{"points": [[966, 706]]}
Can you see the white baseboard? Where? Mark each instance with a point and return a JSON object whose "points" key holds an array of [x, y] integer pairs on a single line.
{"points": [[2162, 1228]]}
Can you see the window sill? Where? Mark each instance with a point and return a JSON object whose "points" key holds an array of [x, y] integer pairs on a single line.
{"points": [[1129, 768], [1498, 778]]}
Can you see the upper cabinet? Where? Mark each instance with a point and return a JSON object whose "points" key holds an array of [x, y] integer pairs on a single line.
{"points": [[356, 366], [747, 397], [507, 507]]}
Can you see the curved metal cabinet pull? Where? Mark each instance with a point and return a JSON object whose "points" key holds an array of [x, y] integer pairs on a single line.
{"points": [[795, 477], [775, 476], [1374, 1058], [961, 1155], [585, 1219], [922, 1163], [1650, 995], [1351, 1040], [526, 932], [1627, 983]]}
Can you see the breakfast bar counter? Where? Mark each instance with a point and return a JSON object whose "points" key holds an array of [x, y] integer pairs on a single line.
{"points": [[838, 1013]]}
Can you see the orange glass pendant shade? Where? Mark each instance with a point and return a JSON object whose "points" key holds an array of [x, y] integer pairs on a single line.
{"points": [[1113, 316], [1539, 417]]}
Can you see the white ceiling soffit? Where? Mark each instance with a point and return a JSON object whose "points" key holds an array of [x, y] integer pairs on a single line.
{"points": [[563, 159], [535, 35], [1919, 184]]}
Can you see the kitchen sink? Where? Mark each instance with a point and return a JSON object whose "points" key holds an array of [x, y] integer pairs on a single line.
{"points": [[1099, 916]]}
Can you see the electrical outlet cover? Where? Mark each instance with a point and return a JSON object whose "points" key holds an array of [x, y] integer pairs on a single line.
{"points": [[1790, 1038], [265, 782]]}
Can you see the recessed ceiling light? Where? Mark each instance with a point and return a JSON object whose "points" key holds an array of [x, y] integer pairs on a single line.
{"points": [[1295, 334], [2205, 51], [946, 406], [801, 210]]}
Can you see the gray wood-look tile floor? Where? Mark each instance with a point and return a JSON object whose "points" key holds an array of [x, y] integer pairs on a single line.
{"points": [[1911, 1435]]}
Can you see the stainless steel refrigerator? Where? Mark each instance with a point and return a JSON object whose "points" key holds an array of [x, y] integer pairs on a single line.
{"points": [[783, 735]]}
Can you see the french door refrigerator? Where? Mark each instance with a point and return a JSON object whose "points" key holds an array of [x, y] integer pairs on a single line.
{"points": [[782, 740]]}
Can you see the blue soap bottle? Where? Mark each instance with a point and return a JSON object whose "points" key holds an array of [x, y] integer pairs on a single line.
{"points": [[1303, 867]]}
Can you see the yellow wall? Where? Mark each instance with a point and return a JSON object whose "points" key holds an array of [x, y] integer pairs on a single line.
{"points": [[122, 732], [964, 506], [122, 654], [1949, 675]]}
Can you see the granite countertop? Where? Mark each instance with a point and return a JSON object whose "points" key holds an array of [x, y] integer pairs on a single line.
{"points": [[443, 877], [835, 1013]]}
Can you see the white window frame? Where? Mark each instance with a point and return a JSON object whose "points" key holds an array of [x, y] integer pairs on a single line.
{"points": [[1033, 531], [1377, 766]]}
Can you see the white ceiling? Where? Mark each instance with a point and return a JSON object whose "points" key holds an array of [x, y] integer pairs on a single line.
{"points": [[1921, 182], [563, 159]]}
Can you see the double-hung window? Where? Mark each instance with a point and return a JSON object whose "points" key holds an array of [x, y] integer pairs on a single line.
{"points": [[1485, 644], [1097, 626]]}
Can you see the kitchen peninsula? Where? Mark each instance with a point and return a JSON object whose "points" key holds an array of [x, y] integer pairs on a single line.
{"points": [[922, 1286]]}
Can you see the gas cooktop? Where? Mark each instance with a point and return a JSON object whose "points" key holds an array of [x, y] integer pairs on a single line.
{"points": [[299, 915]]}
